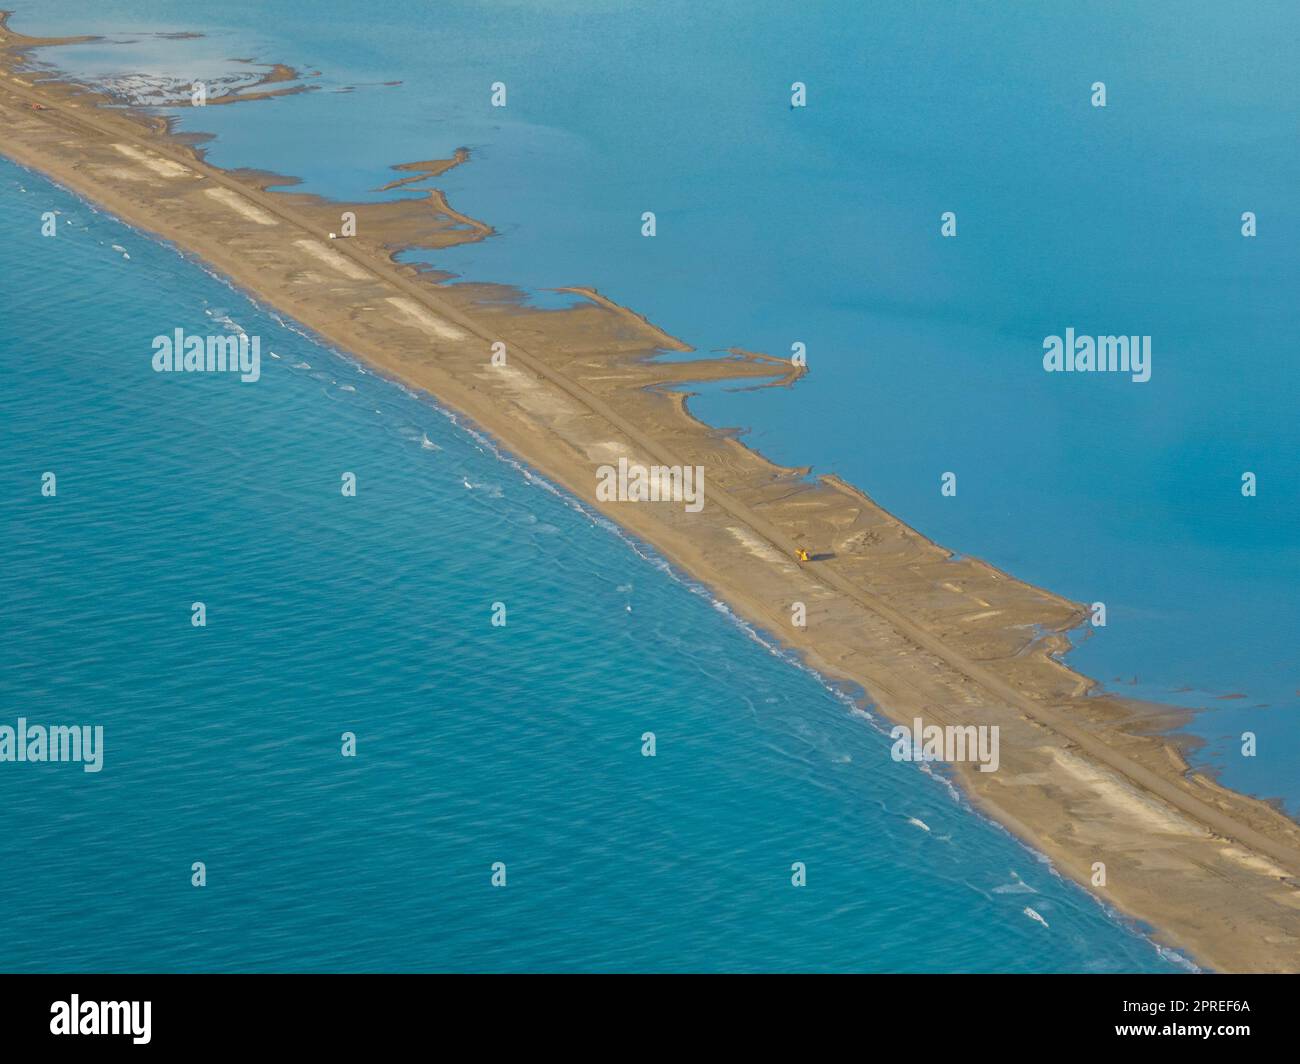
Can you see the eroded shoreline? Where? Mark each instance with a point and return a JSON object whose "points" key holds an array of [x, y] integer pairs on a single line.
{"points": [[1085, 778]]}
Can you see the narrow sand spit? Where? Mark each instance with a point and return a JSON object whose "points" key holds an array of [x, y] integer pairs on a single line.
{"points": [[1085, 778]]}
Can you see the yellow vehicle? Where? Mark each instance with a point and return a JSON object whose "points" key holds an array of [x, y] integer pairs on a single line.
{"points": [[802, 554]]}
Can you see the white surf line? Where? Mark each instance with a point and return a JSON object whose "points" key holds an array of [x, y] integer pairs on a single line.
{"points": [[160, 166], [440, 327], [240, 205], [334, 260]]}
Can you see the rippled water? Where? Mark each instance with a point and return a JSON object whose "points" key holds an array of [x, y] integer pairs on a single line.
{"points": [[475, 744]]}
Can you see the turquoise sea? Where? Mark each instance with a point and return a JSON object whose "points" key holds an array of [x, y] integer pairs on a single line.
{"points": [[821, 225], [475, 744], [775, 225]]}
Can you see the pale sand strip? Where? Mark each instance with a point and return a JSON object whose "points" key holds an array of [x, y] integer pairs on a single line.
{"points": [[239, 205], [758, 548], [334, 260], [160, 166], [425, 319]]}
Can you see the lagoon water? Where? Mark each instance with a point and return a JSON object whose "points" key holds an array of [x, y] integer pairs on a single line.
{"points": [[818, 225], [475, 744]]}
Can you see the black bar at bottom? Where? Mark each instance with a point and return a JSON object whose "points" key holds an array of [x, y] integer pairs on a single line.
{"points": [[338, 1013]]}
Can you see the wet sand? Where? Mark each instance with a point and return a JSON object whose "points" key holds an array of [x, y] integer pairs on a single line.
{"points": [[1085, 777]]}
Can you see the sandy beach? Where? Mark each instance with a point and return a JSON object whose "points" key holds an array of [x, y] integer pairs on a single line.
{"points": [[1085, 777]]}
